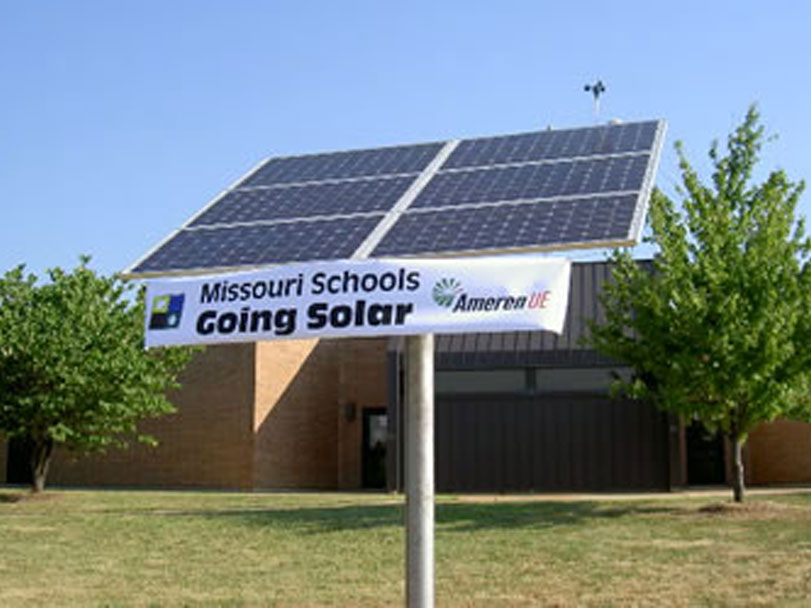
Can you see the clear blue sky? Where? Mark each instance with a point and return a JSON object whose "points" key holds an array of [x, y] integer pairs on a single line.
{"points": [[118, 120]]}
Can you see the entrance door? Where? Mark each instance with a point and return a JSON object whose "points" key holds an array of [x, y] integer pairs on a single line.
{"points": [[705, 456], [18, 464], [373, 456]]}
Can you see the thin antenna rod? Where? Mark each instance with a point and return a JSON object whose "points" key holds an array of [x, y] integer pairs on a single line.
{"points": [[597, 89]]}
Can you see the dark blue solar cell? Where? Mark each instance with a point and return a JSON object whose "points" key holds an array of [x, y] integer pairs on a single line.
{"points": [[342, 165], [288, 202], [551, 145], [511, 226], [549, 180], [260, 244]]}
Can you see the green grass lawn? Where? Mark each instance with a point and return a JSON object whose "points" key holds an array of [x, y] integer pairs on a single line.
{"points": [[180, 548]]}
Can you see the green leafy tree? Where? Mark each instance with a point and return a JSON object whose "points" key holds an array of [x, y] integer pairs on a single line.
{"points": [[718, 329], [73, 371]]}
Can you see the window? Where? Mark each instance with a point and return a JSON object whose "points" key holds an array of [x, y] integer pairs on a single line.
{"points": [[528, 380], [577, 380], [481, 381]]}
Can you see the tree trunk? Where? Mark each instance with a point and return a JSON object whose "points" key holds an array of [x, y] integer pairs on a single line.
{"points": [[738, 487], [40, 460]]}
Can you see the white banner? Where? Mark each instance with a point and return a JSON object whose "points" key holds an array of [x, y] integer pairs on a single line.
{"points": [[361, 298]]}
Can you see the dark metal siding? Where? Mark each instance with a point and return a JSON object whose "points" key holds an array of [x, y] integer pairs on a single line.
{"points": [[549, 443], [575, 442]]}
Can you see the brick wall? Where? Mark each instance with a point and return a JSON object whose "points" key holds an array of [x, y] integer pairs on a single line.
{"points": [[294, 422], [207, 443], [780, 453], [266, 415]]}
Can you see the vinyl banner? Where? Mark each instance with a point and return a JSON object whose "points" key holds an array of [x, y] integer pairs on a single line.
{"points": [[361, 298]]}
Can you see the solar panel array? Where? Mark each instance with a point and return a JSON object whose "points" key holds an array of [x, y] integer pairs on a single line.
{"points": [[544, 190]]}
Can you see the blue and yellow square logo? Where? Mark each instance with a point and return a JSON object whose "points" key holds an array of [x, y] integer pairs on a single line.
{"points": [[166, 311]]}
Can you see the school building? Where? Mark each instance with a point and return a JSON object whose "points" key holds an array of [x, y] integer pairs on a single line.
{"points": [[515, 412]]}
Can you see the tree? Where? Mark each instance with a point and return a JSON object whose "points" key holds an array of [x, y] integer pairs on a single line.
{"points": [[73, 371], [718, 328]]}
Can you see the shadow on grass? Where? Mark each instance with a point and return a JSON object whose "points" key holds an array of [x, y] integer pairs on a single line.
{"points": [[462, 517], [15, 497], [11, 498]]}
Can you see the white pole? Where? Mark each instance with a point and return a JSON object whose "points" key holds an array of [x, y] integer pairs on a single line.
{"points": [[419, 471]]}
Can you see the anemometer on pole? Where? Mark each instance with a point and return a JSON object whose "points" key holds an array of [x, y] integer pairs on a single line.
{"points": [[596, 89]]}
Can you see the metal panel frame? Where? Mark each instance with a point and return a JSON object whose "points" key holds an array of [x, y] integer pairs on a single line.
{"points": [[645, 192]]}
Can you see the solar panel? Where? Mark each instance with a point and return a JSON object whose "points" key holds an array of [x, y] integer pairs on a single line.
{"points": [[301, 201], [542, 225], [343, 165], [256, 245], [551, 145], [534, 181], [571, 188]]}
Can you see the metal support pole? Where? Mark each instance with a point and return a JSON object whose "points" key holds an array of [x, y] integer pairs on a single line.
{"points": [[419, 471]]}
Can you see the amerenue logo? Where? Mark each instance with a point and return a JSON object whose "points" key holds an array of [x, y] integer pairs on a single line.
{"points": [[445, 291], [450, 294], [166, 311]]}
